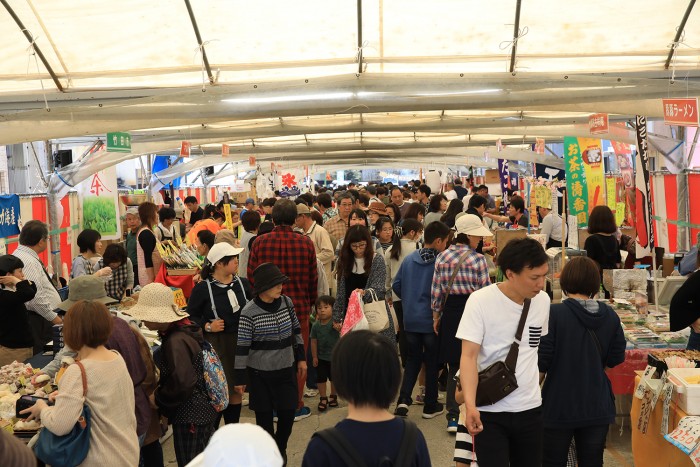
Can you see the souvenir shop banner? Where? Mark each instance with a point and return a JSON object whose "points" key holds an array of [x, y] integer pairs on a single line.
{"points": [[585, 177], [9, 215], [289, 182], [645, 233], [100, 201], [592, 157], [504, 177]]}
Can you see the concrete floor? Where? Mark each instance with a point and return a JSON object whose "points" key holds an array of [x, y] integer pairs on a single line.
{"points": [[440, 443]]}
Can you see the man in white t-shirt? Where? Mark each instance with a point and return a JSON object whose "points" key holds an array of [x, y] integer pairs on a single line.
{"points": [[509, 432]]}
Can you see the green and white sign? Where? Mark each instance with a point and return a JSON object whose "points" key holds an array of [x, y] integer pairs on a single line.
{"points": [[118, 142]]}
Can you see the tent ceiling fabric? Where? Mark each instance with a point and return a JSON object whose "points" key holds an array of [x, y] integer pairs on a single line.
{"points": [[434, 75]]}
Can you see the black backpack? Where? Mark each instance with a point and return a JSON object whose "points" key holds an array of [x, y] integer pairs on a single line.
{"points": [[341, 446]]}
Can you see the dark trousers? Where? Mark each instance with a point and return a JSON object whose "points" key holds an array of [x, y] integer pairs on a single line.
{"points": [[190, 440], [285, 421], [403, 344], [310, 368], [590, 444], [510, 438], [41, 331], [152, 455], [231, 414], [422, 348], [450, 402]]}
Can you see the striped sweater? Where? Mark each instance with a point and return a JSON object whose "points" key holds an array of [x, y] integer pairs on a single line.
{"points": [[269, 337]]}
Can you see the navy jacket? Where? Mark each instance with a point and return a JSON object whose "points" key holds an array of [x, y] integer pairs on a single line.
{"points": [[577, 392]]}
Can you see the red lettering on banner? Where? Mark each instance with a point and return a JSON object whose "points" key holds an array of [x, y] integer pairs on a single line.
{"points": [[598, 124], [683, 112]]}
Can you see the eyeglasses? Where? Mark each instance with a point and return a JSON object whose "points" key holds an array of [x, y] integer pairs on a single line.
{"points": [[358, 246]]}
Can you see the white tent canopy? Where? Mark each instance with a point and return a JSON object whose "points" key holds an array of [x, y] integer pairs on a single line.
{"points": [[327, 83]]}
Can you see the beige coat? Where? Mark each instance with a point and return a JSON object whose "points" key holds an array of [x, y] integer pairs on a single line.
{"points": [[323, 246]]}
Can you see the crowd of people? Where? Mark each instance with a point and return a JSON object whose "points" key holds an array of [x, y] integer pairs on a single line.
{"points": [[272, 299]]}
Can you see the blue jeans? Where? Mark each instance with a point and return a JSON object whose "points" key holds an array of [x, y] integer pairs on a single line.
{"points": [[422, 348], [693, 340]]}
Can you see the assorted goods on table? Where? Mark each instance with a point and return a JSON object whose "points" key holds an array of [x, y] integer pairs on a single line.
{"points": [[180, 259], [18, 393]]}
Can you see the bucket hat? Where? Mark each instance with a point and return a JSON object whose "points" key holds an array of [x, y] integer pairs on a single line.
{"points": [[157, 305], [266, 276], [86, 287], [378, 207], [471, 225]]}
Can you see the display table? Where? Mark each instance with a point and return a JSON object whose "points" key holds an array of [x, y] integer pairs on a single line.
{"points": [[651, 449], [186, 283], [622, 376]]}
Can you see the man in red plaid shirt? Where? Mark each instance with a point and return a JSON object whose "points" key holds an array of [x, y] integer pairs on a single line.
{"points": [[294, 254]]}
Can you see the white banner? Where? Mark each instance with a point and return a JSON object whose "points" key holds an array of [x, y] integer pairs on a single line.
{"points": [[100, 202]]}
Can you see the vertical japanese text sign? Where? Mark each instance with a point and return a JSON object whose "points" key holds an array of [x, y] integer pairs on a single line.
{"points": [[9, 215], [576, 187]]}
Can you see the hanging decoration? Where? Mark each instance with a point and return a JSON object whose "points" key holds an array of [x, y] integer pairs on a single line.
{"points": [[645, 233]]}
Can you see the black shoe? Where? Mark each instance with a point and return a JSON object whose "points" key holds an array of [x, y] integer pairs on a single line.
{"points": [[401, 410], [433, 410]]}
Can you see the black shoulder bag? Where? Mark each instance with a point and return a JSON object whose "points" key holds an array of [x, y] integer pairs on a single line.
{"points": [[498, 380]]}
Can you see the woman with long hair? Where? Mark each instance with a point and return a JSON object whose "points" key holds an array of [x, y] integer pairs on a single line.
{"points": [[149, 260], [360, 267], [436, 208], [357, 217], [602, 245], [384, 232], [415, 211], [455, 207], [394, 214]]}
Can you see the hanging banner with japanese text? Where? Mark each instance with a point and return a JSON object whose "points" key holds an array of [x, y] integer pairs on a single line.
{"points": [[100, 201], [645, 233], [592, 157], [611, 193], [576, 186], [9, 215], [289, 182], [504, 177]]}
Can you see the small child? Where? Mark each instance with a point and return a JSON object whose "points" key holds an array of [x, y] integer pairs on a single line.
{"points": [[270, 354], [323, 339], [15, 333]]}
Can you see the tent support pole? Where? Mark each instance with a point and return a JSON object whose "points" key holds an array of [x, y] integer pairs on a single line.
{"points": [[36, 48], [55, 218], [359, 36], [199, 41], [516, 27], [679, 32]]}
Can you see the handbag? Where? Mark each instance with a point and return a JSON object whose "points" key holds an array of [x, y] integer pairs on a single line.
{"points": [[355, 319], [498, 379], [375, 313], [71, 449]]}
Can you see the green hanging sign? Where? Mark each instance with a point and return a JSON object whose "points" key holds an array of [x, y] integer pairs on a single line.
{"points": [[118, 142]]}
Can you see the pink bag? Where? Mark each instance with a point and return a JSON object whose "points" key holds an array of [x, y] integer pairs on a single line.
{"points": [[354, 316]]}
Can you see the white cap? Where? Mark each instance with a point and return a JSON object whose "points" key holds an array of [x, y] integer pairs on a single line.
{"points": [[471, 225], [222, 250], [240, 445]]}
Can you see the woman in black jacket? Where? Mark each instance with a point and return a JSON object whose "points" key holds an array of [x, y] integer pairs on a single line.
{"points": [[585, 337], [228, 293], [685, 308], [15, 331], [602, 245]]}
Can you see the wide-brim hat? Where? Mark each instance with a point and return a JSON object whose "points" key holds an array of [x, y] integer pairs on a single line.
{"points": [[157, 305], [378, 207], [87, 287], [471, 225], [266, 276]]}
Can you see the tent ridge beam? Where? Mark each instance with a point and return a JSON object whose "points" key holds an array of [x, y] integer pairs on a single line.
{"points": [[33, 44], [200, 44], [679, 32], [516, 26]]}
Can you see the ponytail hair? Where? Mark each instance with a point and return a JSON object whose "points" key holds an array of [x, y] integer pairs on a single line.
{"points": [[407, 226]]}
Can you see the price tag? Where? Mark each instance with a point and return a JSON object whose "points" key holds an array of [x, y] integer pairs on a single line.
{"points": [[645, 411], [695, 456], [686, 436], [657, 389], [667, 391], [648, 373], [179, 298], [3, 247]]}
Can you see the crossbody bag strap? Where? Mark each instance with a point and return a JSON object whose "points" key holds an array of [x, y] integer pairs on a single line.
{"points": [[211, 298], [512, 358], [597, 345], [341, 446], [83, 375], [407, 449], [461, 261], [240, 282]]}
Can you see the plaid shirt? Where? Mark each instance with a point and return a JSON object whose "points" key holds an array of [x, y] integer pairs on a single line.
{"points": [[336, 228], [121, 279], [295, 255], [473, 274], [328, 214]]}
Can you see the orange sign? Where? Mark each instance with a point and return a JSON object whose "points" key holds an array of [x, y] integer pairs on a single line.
{"points": [[251, 161], [539, 145], [598, 124], [682, 112], [185, 149], [224, 150]]}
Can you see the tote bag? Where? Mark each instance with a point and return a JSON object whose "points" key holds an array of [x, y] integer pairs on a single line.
{"points": [[376, 313]]}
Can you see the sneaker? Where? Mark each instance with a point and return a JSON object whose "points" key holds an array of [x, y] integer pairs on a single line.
{"points": [[310, 392], [401, 410], [452, 426], [245, 401], [432, 411], [302, 413], [420, 398]]}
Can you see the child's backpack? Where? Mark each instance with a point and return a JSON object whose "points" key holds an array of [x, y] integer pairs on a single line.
{"points": [[214, 378]]}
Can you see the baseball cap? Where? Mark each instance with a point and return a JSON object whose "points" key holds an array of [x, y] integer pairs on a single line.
{"points": [[250, 200]]}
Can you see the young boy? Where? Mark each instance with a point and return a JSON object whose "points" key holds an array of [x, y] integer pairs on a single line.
{"points": [[323, 339], [270, 354], [15, 332]]}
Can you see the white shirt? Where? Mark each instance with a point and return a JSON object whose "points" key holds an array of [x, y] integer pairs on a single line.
{"points": [[450, 195], [491, 320], [551, 227], [46, 299]]}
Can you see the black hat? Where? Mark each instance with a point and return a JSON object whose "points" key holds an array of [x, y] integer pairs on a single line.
{"points": [[266, 276], [8, 263]]}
